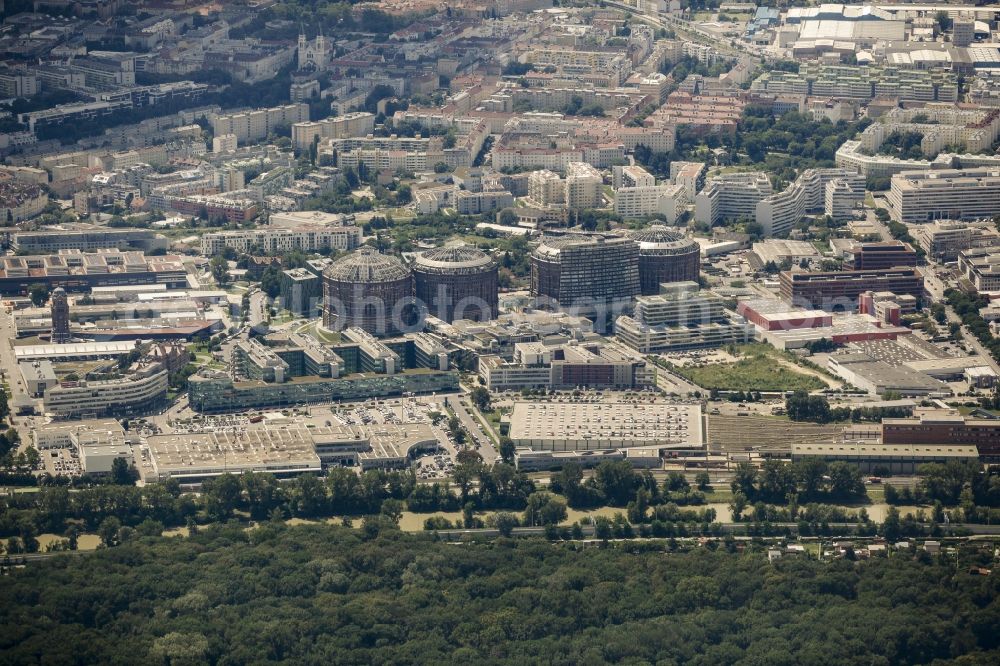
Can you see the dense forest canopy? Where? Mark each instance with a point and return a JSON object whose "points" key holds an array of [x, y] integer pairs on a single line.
{"points": [[321, 594]]}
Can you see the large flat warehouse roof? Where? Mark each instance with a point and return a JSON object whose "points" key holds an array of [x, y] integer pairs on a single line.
{"points": [[588, 426], [259, 449], [73, 350]]}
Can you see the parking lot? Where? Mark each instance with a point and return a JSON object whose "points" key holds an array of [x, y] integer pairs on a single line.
{"points": [[437, 466], [62, 461]]}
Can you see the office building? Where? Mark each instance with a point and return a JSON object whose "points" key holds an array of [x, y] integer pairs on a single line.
{"points": [[301, 291], [981, 267], [592, 274], [38, 376], [878, 256], [946, 194], [81, 271], [945, 239], [681, 317], [778, 251], [96, 238], [571, 365], [137, 392], [839, 290], [963, 30], [60, 316]]}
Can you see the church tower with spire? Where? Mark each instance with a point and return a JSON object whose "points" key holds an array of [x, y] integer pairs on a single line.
{"points": [[314, 54]]}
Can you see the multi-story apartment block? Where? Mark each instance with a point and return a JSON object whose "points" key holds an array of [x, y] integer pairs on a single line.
{"points": [[257, 124], [18, 84], [379, 159], [690, 176], [570, 62], [583, 186], [841, 199], [20, 201], [274, 241], [817, 80], [224, 143], [706, 114], [631, 176], [731, 195], [546, 188], [666, 200], [974, 130], [104, 73], [359, 123], [850, 156], [487, 201], [778, 212]]}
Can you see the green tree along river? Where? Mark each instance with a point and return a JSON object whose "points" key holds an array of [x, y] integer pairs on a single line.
{"points": [[323, 594]]}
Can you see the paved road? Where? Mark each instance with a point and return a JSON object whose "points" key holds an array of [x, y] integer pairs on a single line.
{"points": [[682, 26], [969, 339], [483, 444], [872, 219], [671, 382], [588, 530], [12, 375]]}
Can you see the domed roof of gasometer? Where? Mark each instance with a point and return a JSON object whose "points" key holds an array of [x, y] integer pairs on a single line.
{"points": [[367, 265], [660, 239], [453, 258]]}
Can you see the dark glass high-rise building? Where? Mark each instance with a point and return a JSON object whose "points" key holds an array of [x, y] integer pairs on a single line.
{"points": [[60, 316], [588, 274]]}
